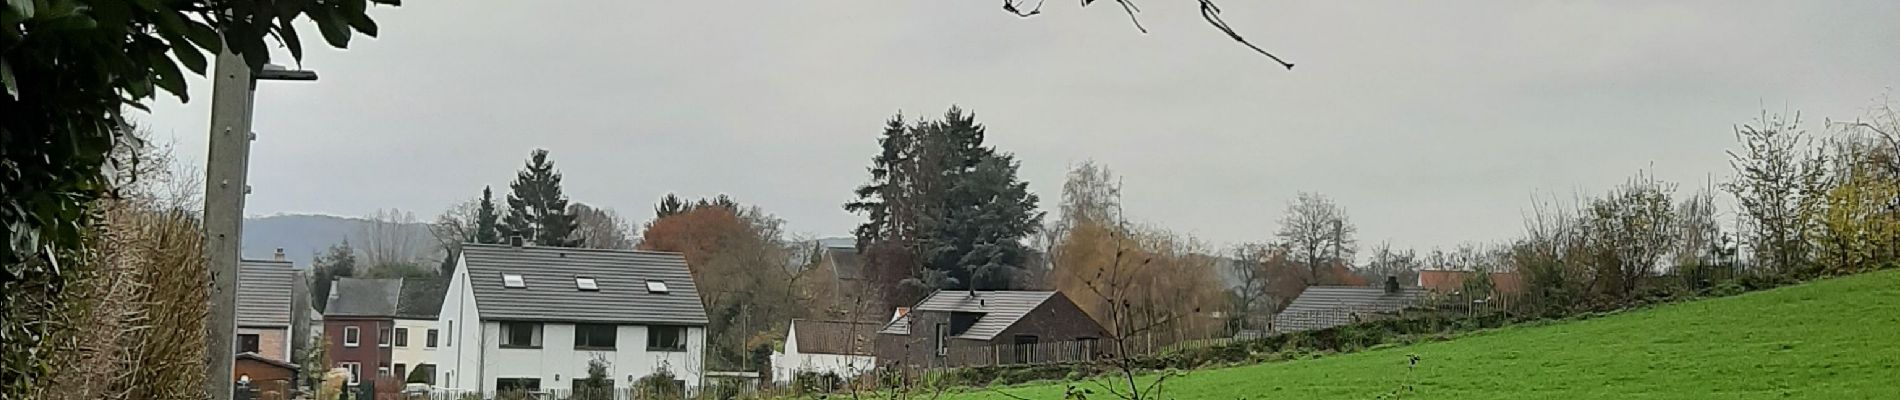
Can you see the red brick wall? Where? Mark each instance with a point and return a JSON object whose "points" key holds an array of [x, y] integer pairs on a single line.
{"points": [[369, 351]]}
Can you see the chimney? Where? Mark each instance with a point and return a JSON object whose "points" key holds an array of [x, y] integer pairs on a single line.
{"points": [[1391, 284], [279, 256], [514, 241]]}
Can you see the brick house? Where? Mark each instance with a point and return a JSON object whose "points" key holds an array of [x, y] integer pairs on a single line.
{"points": [[264, 304], [949, 319], [357, 321]]}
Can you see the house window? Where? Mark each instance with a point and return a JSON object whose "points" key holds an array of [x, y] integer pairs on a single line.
{"points": [[430, 342], [353, 371], [513, 384], [402, 372], [351, 336], [594, 336], [382, 370], [580, 384], [943, 339], [382, 337], [402, 337], [513, 281], [247, 343], [524, 335], [586, 284], [656, 286], [666, 338], [450, 341]]}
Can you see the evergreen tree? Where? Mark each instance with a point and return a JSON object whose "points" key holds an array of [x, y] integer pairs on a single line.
{"points": [[669, 206], [339, 261], [486, 232], [537, 211], [952, 202]]}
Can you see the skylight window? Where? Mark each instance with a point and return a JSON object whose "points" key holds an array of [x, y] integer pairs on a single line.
{"points": [[513, 281], [586, 283], [656, 287]]}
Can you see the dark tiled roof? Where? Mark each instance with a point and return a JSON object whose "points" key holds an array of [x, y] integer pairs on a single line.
{"points": [[359, 297], [1321, 307], [845, 262], [551, 295], [1000, 309], [264, 293], [421, 297], [834, 337]]}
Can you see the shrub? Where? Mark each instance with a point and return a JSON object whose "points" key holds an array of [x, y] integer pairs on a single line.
{"points": [[660, 385]]}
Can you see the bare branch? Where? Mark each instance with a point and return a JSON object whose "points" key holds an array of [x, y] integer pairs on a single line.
{"points": [[1013, 9], [1211, 13], [1128, 6]]}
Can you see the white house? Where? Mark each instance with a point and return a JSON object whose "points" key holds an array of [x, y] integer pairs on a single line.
{"points": [[836, 347], [417, 334], [534, 317]]}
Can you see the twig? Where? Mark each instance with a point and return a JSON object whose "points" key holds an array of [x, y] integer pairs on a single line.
{"points": [[1013, 9], [1128, 6], [1211, 13]]}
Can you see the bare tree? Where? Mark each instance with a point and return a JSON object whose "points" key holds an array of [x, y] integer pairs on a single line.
{"points": [[600, 228], [1318, 233], [389, 240], [451, 229], [1387, 262], [1777, 188], [1249, 267]]}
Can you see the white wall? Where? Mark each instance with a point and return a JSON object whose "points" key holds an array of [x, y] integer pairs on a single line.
{"points": [[418, 351], [459, 360], [557, 363], [786, 364]]}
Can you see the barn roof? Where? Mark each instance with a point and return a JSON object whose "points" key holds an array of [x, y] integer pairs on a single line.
{"points": [[834, 337], [1000, 309], [1321, 307]]}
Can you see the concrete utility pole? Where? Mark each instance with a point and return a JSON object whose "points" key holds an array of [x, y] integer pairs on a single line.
{"points": [[226, 165]]}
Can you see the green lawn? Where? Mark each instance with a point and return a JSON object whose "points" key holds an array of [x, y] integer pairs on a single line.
{"points": [[1834, 339]]}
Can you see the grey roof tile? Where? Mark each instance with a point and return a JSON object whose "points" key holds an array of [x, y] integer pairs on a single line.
{"points": [[834, 337], [1322, 307], [1000, 309], [551, 295], [421, 297], [264, 293], [360, 297]]}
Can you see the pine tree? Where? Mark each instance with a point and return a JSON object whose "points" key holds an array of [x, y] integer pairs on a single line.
{"points": [[952, 202], [486, 232], [669, 206], [537, 211]]}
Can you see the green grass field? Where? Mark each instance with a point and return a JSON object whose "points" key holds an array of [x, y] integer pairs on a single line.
{"points": [[1833, 339]]}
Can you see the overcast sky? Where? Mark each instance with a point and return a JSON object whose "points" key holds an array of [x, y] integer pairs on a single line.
{"points": [[1433, 123]]}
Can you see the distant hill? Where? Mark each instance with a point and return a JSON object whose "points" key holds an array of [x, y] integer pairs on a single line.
{"points": [[302, 236]]}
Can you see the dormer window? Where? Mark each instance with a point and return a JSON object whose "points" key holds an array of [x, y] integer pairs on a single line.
{"points": [[513, 281], [586, 284], [656, 286]]}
